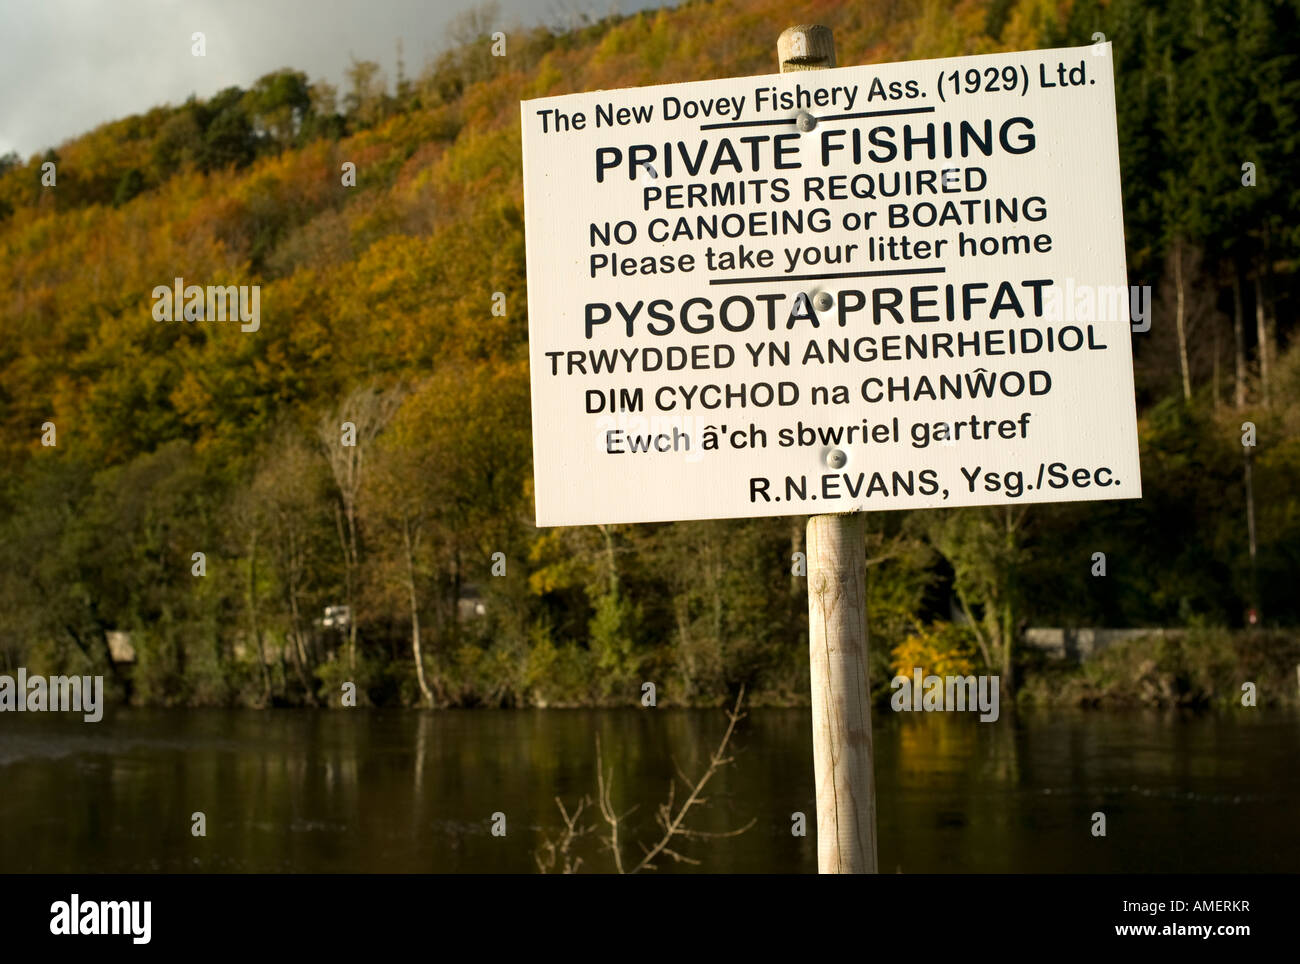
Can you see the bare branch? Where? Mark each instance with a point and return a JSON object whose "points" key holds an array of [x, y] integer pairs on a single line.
{"points": [[607, 809], [669, 815], [680, 858], [673, 824], [548, 854], [718, 833], [680, 772]]}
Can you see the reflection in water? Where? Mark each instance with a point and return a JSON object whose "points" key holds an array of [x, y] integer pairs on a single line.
{"points": [[414, 791]]}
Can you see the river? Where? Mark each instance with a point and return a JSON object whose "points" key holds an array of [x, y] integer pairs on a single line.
{"points": [[405, 791]]}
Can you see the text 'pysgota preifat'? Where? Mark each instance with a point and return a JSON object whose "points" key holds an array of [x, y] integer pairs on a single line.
{"points": [[879, 287]]}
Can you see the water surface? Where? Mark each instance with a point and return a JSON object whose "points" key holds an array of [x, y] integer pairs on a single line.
{"points": [[405, 791]]}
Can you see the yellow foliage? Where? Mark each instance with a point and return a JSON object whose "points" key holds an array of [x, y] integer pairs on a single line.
{"points": [[941, 649], [396, 274]]}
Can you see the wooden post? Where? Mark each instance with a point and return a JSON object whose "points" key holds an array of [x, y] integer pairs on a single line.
{"points": [[841, 703], [808, 46], [837, 629]]}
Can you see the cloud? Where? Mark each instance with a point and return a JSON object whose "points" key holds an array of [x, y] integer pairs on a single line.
{"points": [[67, 66]]}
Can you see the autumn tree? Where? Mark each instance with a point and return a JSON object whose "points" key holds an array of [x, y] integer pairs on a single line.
{"points": [[346, 435], [288, 522]]}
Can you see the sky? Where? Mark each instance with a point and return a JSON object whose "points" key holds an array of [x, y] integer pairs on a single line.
{"points": [[67, 66]]}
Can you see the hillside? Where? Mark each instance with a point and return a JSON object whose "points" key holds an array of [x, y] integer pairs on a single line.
{"points": [[377, 307]]}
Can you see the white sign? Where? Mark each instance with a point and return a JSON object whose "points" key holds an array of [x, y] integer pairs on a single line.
{"points": [[896, 286]]}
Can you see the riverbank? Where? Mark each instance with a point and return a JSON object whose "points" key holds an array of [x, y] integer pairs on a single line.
{"points": [[1194, 668], [1202, 668]]}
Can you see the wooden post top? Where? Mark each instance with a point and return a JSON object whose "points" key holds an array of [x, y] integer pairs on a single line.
{"points": [[807, 46]]}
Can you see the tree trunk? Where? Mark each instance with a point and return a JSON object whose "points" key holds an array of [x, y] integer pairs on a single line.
{"points": [[1218, 377], [611, 561], [1008, 645], [295, 618], [1008, 608], [455, 594], [347, 569], [295, 644], [1262, 334], [415, 615], [1250, 534], [975, 628], [352, 612], [1180, 316], [1238, 340], [715, 590], [298, 668], [256, 623]]}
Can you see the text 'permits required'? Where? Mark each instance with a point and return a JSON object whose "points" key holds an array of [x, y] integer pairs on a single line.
{"points": [[897, 286]]}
